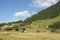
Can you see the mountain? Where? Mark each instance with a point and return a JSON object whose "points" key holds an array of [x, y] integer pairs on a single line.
{"points": [[45, 18], [48, 13]]}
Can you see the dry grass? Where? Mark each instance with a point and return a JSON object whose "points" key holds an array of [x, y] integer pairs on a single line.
{"points": [[28, 36]]}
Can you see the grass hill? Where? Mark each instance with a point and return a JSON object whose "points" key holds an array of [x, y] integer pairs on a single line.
{"points": [[44, 24], [48, 13], [45, 18]]}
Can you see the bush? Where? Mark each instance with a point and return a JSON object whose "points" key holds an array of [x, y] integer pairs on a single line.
{"points": [[37, 31], [24, 29], [1, 39], [8, 29], [16, 27], [55, 26]]}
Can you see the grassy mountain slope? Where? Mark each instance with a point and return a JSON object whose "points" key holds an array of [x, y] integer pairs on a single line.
{"points": [[48, 13], [43, 24], [45, 18]]}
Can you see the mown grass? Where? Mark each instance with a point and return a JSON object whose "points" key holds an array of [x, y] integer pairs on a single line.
{"points": [[28, 36]]}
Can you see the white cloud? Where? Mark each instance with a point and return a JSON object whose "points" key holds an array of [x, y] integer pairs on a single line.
{"points": [[22, 13], [43, 3], [33, 13]]}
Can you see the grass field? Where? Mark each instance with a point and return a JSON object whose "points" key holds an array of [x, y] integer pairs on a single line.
{"points": [[31, 32], [28, 36]]}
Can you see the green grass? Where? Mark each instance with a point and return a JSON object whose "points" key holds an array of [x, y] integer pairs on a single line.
{"points": [[28, 36], [43, 24]]}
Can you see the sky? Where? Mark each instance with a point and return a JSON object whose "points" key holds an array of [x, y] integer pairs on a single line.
{"points": [[14, 10]]}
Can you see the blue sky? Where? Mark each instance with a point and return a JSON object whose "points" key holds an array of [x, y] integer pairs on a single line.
{"points": [[14, 10]]}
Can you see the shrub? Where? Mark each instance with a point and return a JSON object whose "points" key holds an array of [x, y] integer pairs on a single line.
{"points": [[16, 27], [1, 39], [55, 26], [8, 29], [37, 31]]}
